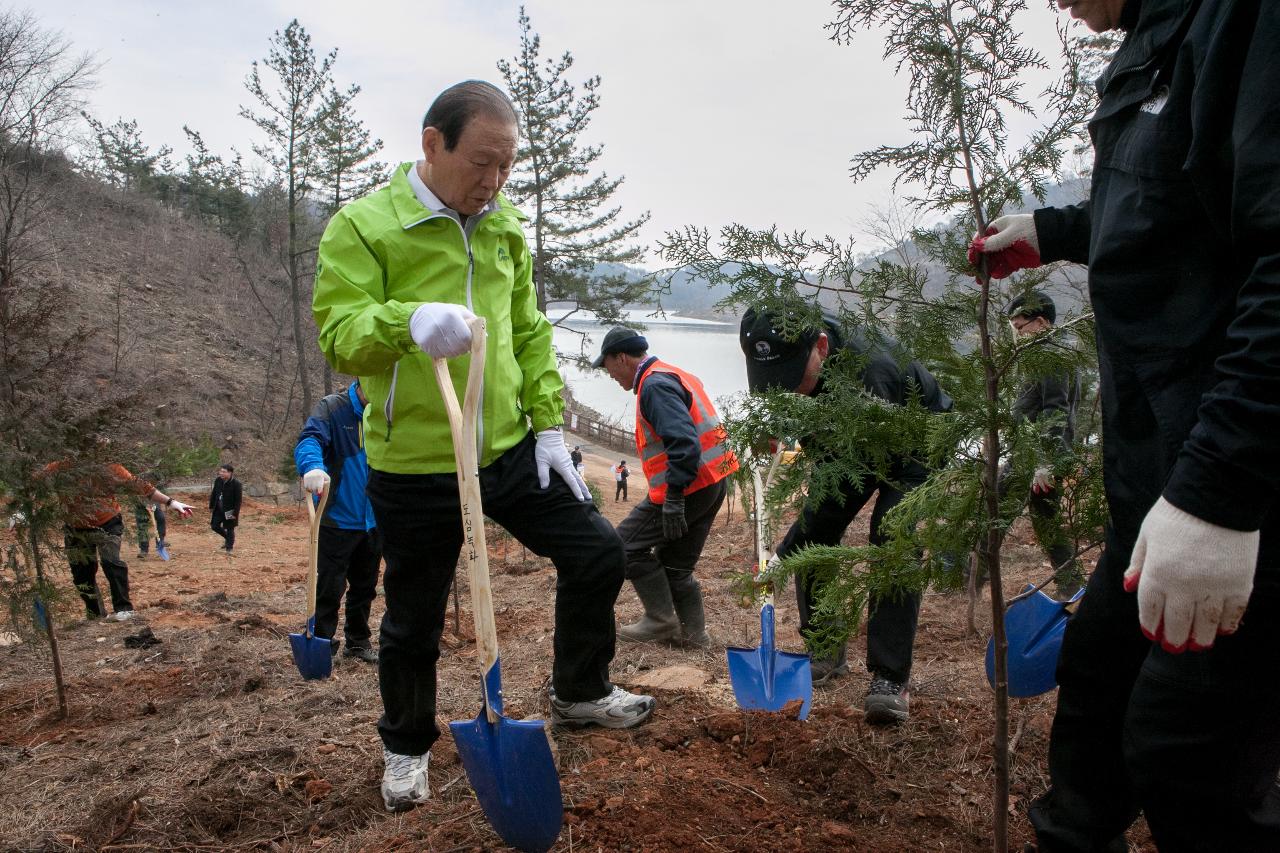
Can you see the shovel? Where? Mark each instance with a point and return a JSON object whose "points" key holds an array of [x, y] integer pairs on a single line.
{"points": [[764, 678], [508, 762], [161, 548], [312, 654], [1033, 628]]}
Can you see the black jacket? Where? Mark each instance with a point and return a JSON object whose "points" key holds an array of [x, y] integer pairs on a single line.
{"points": [[1055, 398], [1182, 238], [225, 496], [886, 373]]}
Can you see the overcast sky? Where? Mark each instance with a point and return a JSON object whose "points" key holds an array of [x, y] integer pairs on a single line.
{"points": [[715, 110]]}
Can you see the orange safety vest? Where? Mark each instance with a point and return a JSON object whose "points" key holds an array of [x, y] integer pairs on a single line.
{"points": [[717, 461]]}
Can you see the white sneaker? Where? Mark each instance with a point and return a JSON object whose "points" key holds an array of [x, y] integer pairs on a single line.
{"points": [[121, 615], [618, 710], [404, 781]]}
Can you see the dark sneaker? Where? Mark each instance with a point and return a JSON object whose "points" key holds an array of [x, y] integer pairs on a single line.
{"points": [[887, 702], [618, 710], [827, 669], [404, 780], [363, 653]]}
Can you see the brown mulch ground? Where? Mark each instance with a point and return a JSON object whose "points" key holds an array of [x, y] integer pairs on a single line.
{"points": [[211, 741]]}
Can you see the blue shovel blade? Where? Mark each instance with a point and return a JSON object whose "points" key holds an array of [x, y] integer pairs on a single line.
{"points": [[1033, 628], [39, 616], [313, 655], [162, 549], [509, 765], [765, 679]]}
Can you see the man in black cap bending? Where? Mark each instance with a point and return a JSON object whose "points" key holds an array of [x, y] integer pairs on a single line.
{"points": [[686, 459], [796, 364]]}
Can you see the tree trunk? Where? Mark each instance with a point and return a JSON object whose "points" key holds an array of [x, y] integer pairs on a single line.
{"points": [[59, 685]]}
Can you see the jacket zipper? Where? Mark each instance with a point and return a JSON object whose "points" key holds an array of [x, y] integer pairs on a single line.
{"points": [[466, 231]]}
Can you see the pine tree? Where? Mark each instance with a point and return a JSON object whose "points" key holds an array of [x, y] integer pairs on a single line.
{"points": [[967, 69], [574, 230], [292, 117], [125, 161], [345, 149]]}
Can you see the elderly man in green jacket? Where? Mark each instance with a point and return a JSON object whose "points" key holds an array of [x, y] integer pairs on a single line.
{"points": [[400, 273]]}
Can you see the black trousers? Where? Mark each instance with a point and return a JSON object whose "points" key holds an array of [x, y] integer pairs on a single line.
{"points": [[420, 521], [348, 562], [648, 551], [85, 547], [143, 522], [620, 489], [1043, 510], [891, 620], [1192, 739], [224, 528]]}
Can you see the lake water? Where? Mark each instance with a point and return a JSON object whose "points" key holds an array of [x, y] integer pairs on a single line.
{"points": [[707, 350]]}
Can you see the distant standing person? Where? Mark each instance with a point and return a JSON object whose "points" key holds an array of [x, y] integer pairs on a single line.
{"points": [[576, 458], [685, 457], [142, 520], [224, 504], [620, 475], [330, 457], [95, 531], [1050, 403]]}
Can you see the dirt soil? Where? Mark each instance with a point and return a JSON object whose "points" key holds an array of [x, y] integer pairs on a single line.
{"points": [[210, 740]]}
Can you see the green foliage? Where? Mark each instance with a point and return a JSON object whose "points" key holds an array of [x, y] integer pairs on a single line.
{"points": [[574, 229], [345, 148], [966, 67], [597, 497], [126, 162]]}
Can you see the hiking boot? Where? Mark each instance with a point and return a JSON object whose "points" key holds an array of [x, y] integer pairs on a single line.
{"points": [[887, 701], [404, 780], [659, 621], [142, 555], [686, 592], [618, 710], [121, 616], [827, 669], [363, 653]]}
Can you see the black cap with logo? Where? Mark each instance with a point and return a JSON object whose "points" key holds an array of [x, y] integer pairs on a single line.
{"points": [[773, 361], [621, 339]]}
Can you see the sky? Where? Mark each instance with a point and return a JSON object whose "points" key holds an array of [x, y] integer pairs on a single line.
{"points": [[715, 111]]}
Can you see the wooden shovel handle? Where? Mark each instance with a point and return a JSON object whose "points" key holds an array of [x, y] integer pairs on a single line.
{"points": [[313, 569], [462, 426]]}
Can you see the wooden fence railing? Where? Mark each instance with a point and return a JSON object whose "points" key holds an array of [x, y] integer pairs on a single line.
{"points": [[608, 434]]}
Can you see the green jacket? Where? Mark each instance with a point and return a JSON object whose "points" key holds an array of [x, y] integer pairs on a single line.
{"points": [[380, 258]]}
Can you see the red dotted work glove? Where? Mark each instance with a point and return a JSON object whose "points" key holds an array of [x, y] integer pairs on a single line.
{"points": [[1010, 244], [1193, 578]]}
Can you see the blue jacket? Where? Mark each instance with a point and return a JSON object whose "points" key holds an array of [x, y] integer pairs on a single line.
{"points": [[333, 440]]}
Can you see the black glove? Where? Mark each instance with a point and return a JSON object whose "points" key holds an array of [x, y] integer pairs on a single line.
{"points": [[673, 524]]}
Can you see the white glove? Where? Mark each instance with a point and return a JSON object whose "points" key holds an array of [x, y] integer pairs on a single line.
{"points": [[1009, 230], [180, 508], [18, 519], [551, 453], [440, 329], [1042, 481], [315, 481], [772, 563], [1193, 578]]}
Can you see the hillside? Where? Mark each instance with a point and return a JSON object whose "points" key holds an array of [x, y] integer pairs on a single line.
{"points": [[174, 319]]}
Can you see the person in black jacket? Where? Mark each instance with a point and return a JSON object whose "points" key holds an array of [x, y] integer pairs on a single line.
{"points": [[1169, 701], [682, 450], [1051, 402], [224, 504], [775, 361]]}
